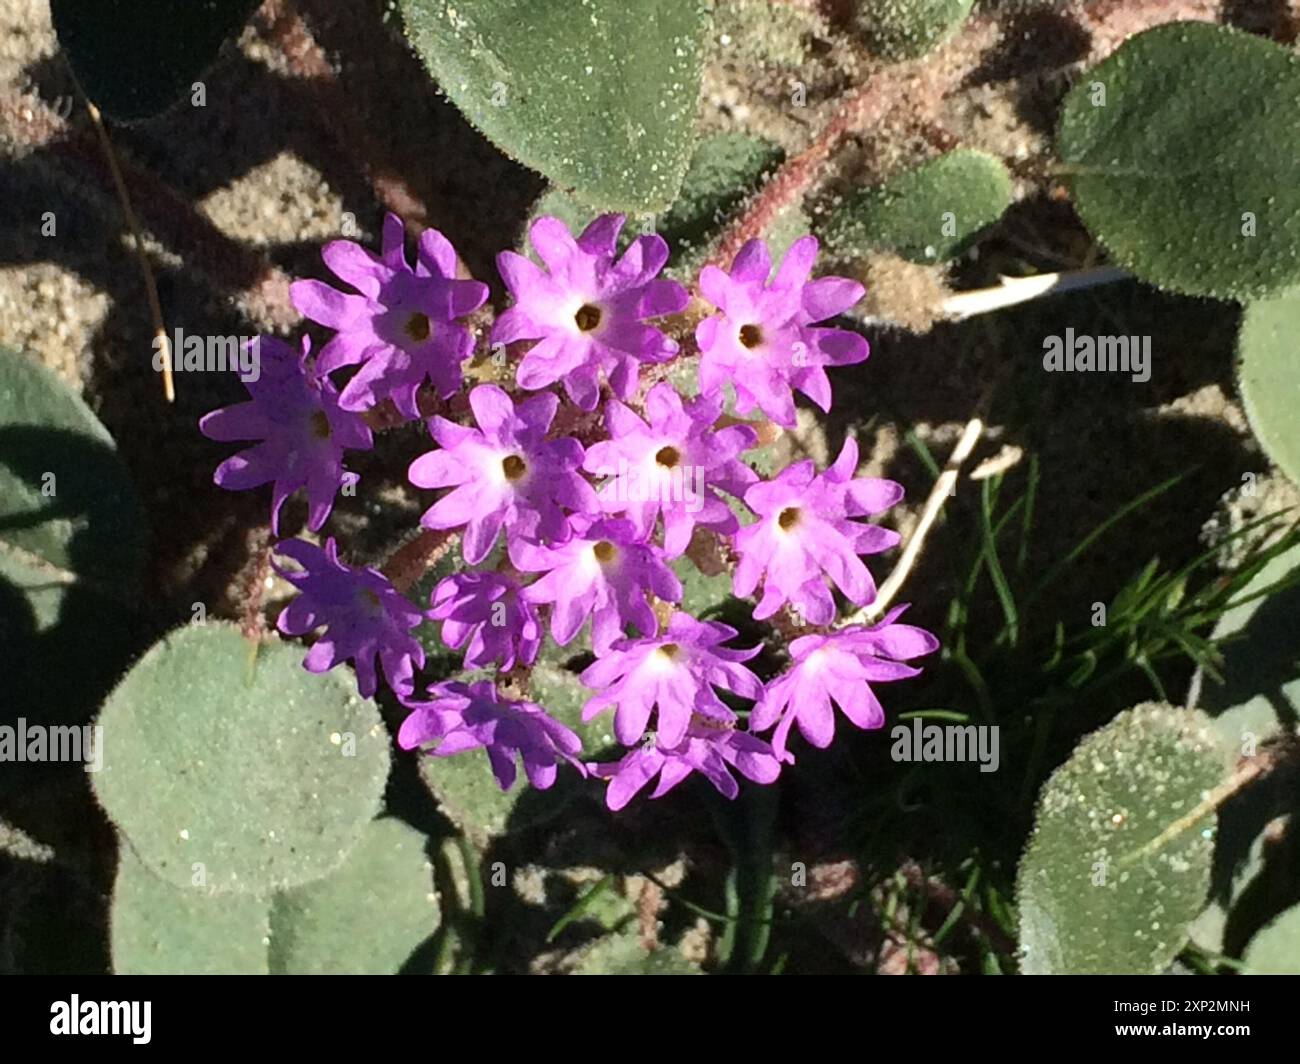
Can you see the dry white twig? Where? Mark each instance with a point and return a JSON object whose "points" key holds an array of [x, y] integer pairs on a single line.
{"points": [[941, 490], [1014, 290]]}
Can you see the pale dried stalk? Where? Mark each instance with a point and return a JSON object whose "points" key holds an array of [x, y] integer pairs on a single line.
{"points": [[150, 286], [1014, 290], [889, 590]]}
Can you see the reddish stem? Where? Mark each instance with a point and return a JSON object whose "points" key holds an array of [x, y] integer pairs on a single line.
{"points": [[412, 560], [920, 85], [253, 623]]}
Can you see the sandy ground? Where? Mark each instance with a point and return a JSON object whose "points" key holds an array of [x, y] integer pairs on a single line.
{"points": [[268, 178]]}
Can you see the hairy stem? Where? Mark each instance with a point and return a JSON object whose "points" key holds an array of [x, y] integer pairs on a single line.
{"points": [[412, 560]]}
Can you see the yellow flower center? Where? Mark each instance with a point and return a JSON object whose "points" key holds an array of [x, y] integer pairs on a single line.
{"points": [[668, 457], [513, 467], [418, 327], [587, 318]]}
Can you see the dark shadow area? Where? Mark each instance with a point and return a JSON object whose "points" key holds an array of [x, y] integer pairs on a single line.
{"points": [[1036, 48], [1275, 19]]}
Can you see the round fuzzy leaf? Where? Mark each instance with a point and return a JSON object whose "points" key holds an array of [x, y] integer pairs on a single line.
{"points": [[1268, 375], [1182, 149], [161, 929], [1261, 652], [708, 596], [570, 210], [1275, 949], [468, 793], [1252, 878], [1112, 876], [72, 548], [599, 96], [1259, 693], [623, 954], [723, 171], [134, 59], [227, 754], [366, 918], [67, 507], [928, 214]]}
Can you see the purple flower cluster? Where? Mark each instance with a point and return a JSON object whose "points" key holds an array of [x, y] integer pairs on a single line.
{"points": [[575, 511]]}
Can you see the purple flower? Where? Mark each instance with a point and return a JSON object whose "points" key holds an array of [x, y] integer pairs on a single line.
{"points": [[586, 309], [839, 667], [671, 465], [486, 610], [402, 326], [804, 531], [605, 570], [461, 717], [765, 342], [364, 617], [708, 751], [676, 674], [505, 473], [295, 415]]}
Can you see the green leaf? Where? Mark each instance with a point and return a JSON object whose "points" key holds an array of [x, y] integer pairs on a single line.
{"points": [[931, 213], [569, 209], [1253, 875], [906, 29], [229, 758], [134, 58], [66, 500], [724, 171], [1261, 661], [1268, 375], [1259, 695], [468, 793], [367, 917], [748, 827], [598, 96], [72, 549], [702, 594], [161, 929], [1275, 949], [70, 522], [1114, 872], [623, 954], [1192, 189]]}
